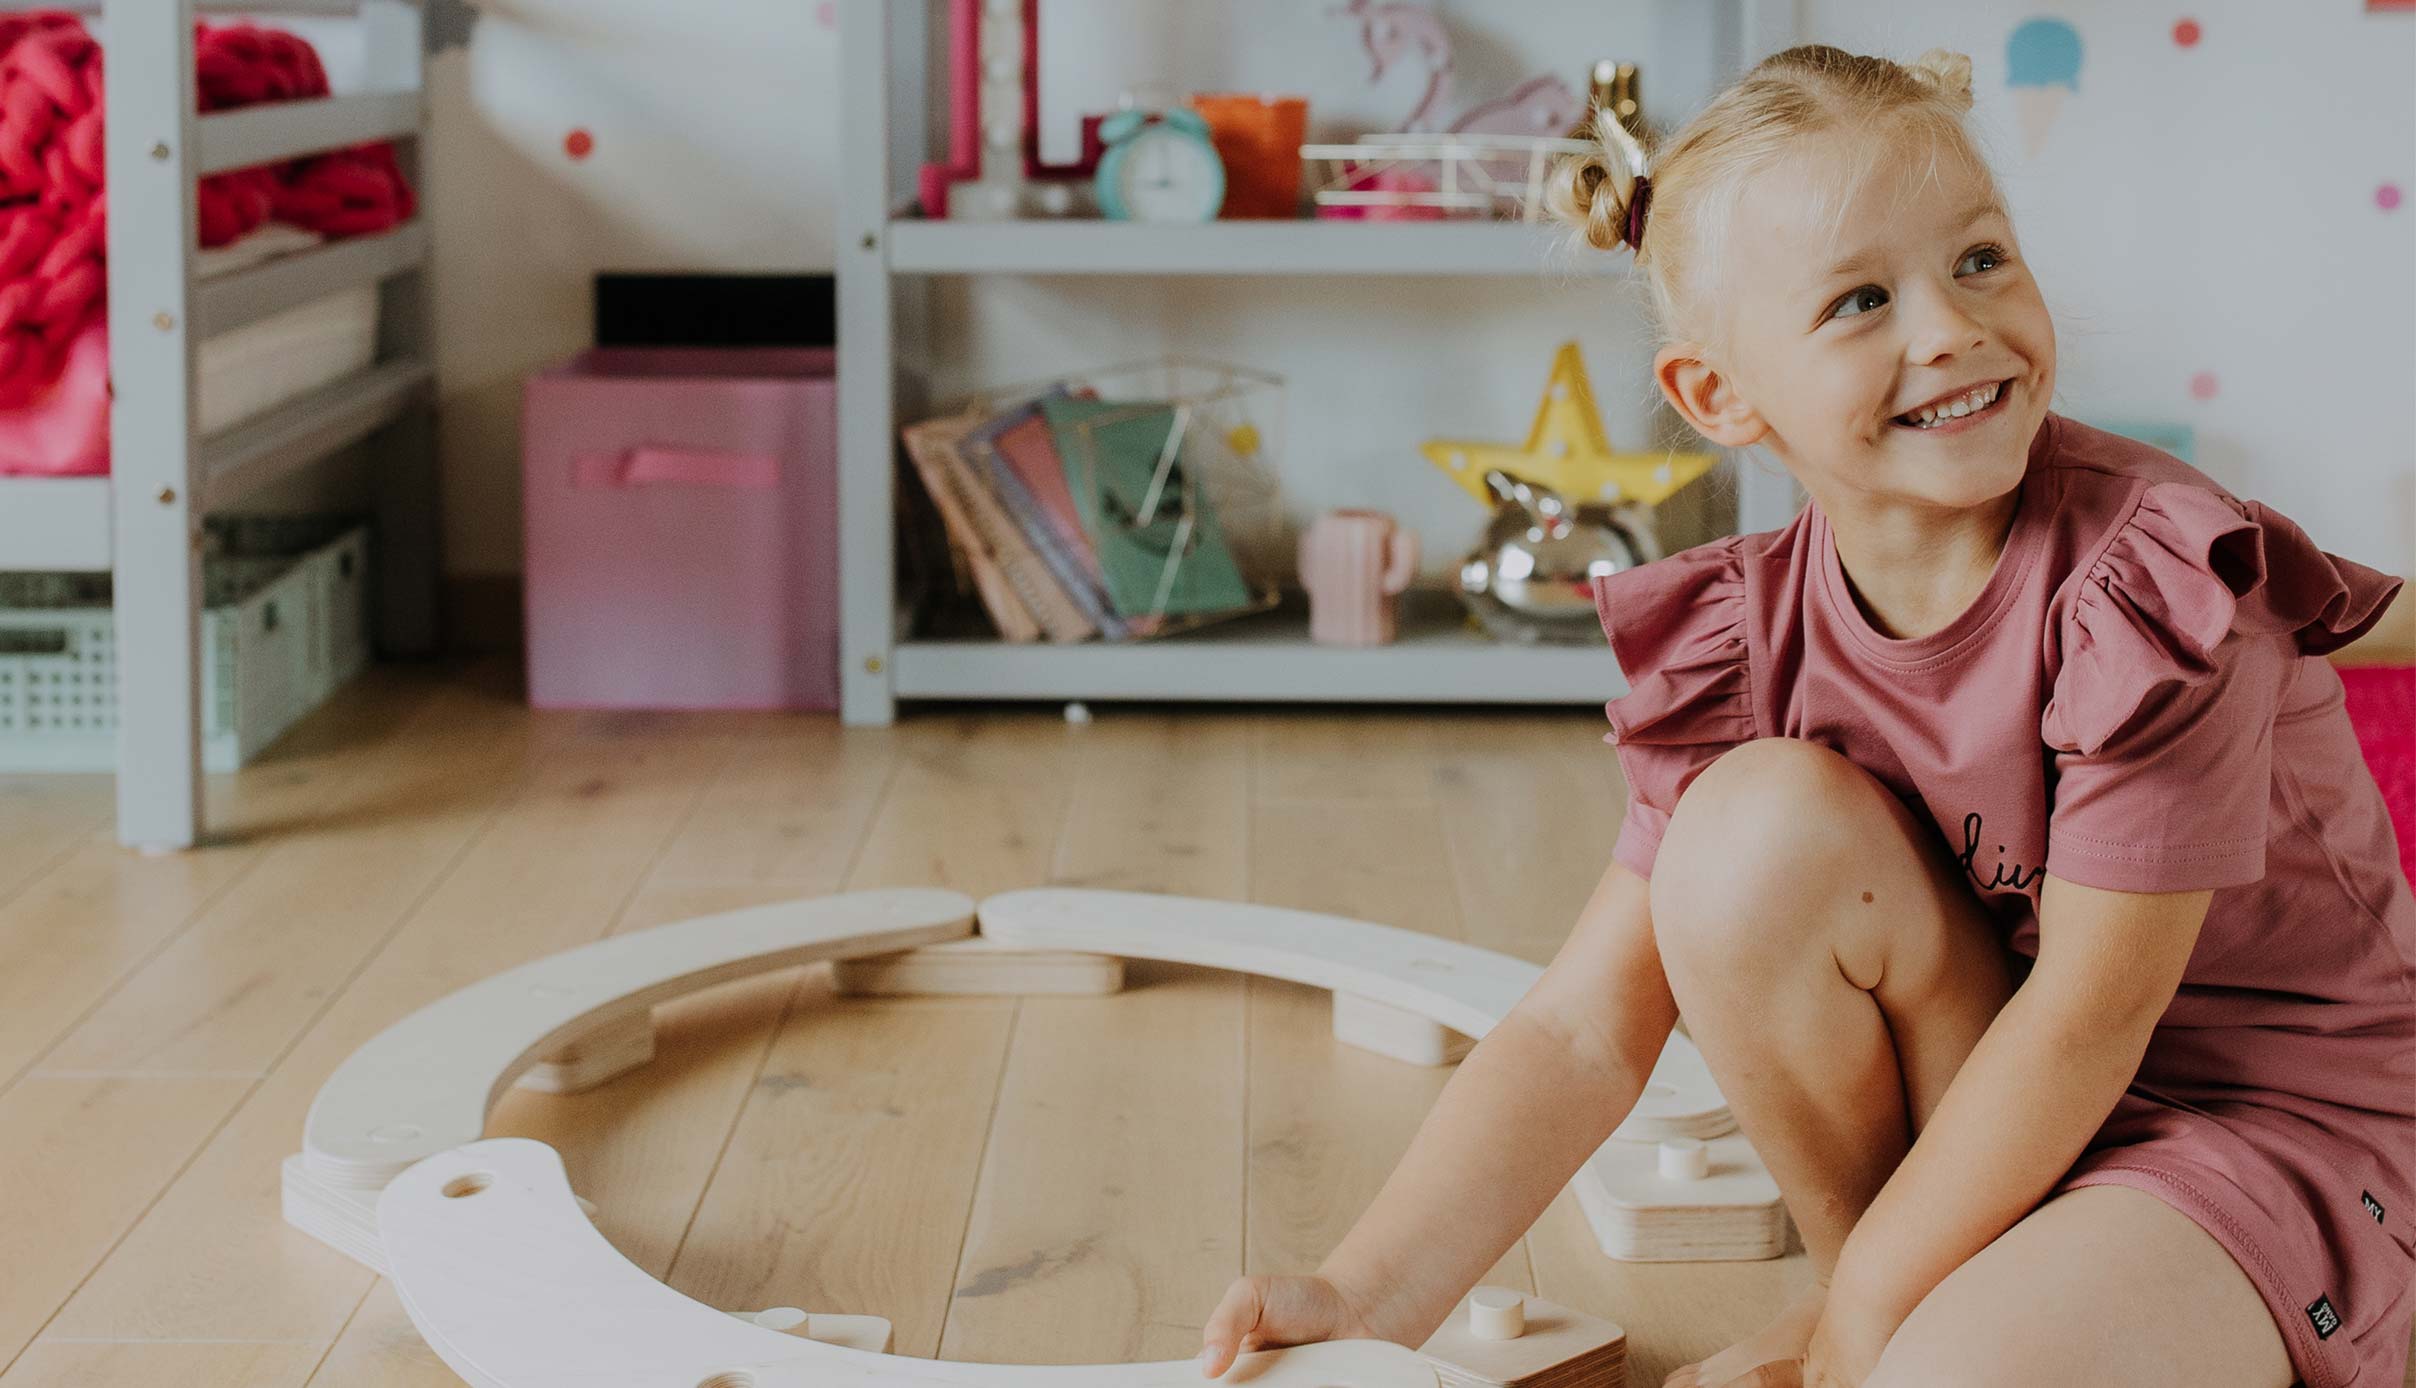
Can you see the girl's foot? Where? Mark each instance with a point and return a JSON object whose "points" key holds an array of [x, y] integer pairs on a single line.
{"points": [[1786, 1337]]}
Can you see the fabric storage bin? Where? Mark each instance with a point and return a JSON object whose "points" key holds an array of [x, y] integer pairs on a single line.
{"points": [[681, 514], [283, 627]]}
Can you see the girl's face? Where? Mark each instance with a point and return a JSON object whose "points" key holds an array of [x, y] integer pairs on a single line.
{"points": [[1834, 342]]}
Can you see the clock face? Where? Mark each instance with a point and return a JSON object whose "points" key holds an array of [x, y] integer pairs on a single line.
{"points": [[1168, 176]]}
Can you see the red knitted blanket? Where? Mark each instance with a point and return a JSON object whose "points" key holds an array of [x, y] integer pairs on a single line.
{"points": [[53, 242]]}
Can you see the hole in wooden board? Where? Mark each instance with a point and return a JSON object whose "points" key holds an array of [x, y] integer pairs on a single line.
{"points": [[463, 1186]]}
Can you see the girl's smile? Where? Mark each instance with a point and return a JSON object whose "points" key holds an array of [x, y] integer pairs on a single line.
{"points": [[1931, 418]]}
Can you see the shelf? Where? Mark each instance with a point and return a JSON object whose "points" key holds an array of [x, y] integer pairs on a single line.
{"points": [[1302, 247], [289, 281], [307, 428], [1438, 657], [55, 524], [277, 130]]}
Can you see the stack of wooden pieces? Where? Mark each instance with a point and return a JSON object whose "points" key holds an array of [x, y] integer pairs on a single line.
{"points": [[1547, 1345]]}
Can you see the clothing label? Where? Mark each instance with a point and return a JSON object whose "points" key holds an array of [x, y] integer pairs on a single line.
{"points": [[2325, 1319], [2373, 1206]]}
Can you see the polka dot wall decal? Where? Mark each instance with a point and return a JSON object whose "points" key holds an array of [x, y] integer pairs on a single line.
{"points": [[2186, 33], [2387, 197], [578, 144], [2203, 385]]}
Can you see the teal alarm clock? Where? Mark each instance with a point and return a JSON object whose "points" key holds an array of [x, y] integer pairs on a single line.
{"points": [[1159, 166]]}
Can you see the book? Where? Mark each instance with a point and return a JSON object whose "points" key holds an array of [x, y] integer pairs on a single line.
{"points": [[1059, 618], [1019, 457], [1007, 612], [1157, 536]]}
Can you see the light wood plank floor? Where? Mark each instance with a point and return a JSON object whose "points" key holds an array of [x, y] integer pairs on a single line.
{"points": [[1009, 1180]]}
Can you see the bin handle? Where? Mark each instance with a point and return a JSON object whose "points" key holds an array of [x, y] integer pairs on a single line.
{"points": [[650, 464]]}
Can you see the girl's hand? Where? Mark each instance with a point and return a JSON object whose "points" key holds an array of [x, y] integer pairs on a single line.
{"points": [[1845, 1348], [1265, 1312]]}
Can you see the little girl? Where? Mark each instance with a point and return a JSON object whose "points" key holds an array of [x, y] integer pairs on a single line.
{"points": [[2009, 850]]}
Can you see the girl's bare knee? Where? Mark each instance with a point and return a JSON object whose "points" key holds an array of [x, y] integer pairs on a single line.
{"points": [[1751, 839]]}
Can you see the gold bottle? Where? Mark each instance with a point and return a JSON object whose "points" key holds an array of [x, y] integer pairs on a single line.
{"points": [[1612, 87]]}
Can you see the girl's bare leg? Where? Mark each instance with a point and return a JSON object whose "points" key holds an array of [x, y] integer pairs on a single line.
{"points": [[1834, 966]]}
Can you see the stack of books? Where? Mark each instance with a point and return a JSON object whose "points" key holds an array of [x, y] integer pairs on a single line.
{"points": [[1076, 517]]}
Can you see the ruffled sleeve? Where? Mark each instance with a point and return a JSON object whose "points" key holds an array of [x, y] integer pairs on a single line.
{"points": [[2172, 653], [1677, 628]]}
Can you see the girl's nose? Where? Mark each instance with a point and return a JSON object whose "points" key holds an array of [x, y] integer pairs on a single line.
{"points": [[1942, 329]]}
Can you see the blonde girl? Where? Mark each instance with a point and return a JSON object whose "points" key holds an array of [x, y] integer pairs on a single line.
{"points": [[1996, 824]]}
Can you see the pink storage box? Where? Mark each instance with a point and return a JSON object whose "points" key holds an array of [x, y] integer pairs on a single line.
{"points": [[682, 529]]}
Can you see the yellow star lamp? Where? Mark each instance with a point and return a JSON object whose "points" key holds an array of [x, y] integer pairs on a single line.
{"points": [[1567, 451]]}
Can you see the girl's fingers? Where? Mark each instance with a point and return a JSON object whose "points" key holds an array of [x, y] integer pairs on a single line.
{"points": [[1229, 1330], [1783, 1373]]}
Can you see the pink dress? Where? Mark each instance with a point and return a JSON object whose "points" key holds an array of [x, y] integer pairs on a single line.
{"points": [[2136, 701]]}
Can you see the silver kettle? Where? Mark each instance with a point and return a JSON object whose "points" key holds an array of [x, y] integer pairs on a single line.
{"points": [[1531, 577]]}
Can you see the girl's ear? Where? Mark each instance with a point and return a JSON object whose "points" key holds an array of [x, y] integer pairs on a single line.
{"points": [[1705, 398]]}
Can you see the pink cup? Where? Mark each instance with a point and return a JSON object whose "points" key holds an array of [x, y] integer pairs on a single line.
{"points": [[1354, 563]]}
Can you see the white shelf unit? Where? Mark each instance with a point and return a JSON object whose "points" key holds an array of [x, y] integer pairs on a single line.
{"points": [[887, 255], [143, 521]]}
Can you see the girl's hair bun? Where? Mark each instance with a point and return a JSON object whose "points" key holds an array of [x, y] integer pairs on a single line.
{"points": [[1582, 193], [1946, 72], [1591, 191]]}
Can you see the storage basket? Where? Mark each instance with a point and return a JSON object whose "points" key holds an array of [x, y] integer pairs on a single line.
{"points": [[285, 624], [682, 535]]}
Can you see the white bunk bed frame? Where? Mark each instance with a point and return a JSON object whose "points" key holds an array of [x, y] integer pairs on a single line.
{"points": [[143, 521]]}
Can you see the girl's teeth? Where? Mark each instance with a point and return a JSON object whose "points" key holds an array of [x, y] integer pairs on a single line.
{"points": [[1977, 400]]}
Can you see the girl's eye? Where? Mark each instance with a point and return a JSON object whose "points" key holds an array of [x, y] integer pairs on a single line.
{"points": [[1993, 254], [1846, 307], [1849, 306]]}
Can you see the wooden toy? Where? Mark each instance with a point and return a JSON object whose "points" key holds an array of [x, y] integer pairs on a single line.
{"points": [[425, 1083], [610, 1051], [1396, 1032], [975, 967], [1496, 1313], [1642, 1214], [513, 1288], [868, 1333], [1510, 1340], [1637, 1215], [1567, 450], [522, 1291]]}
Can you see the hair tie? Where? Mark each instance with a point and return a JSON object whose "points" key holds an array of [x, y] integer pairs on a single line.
{"points": [[1638, 201]]}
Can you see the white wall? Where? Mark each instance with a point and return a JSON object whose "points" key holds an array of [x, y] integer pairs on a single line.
{"points": [[2202, 209]]}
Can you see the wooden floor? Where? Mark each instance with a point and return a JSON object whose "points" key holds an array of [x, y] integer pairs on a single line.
{"points": [[1037, 1180]]}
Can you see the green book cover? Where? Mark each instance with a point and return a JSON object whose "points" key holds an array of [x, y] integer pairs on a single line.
{"points": [[1111, 451]]}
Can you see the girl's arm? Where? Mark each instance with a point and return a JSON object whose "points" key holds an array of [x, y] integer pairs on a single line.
{"points": [[2032, 1093], [1535, 1098]]}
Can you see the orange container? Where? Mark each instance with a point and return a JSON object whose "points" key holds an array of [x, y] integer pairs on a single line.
{"points": [[1258, 135]]}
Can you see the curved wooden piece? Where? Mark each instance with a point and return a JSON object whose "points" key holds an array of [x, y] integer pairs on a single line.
{"points": [[514, 1288], [1456, 986], [1636, 1215], [426, 1083]]}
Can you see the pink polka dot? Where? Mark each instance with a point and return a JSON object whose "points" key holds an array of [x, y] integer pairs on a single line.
{"points": [[578, 144], [2387, 197], [2185, 33], [2203, 385], [826, 14]]}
